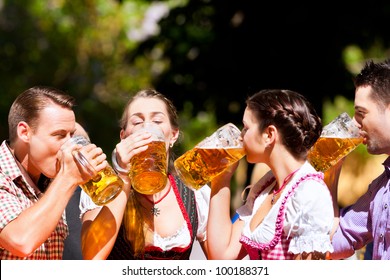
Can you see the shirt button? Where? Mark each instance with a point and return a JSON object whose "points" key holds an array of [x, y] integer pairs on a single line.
{"points": [[385, 206], [381, 236]]}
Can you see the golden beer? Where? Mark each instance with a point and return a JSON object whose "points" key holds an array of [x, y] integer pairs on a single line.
{"points": [[148, 169], [104, 187], [199, 166], [327, 151]]}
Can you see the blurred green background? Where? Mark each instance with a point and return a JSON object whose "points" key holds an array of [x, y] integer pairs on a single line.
{"points": [[206, 55]]}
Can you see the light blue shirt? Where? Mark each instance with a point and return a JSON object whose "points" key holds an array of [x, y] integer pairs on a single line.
{"points": [[367, 220]]}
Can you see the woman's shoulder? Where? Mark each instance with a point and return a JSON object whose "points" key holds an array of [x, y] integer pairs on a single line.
{"points": [[252, 192], [310, 188], [264, 182]]}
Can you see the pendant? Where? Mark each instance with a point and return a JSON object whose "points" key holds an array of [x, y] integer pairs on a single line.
{"points": [[155, 211]]}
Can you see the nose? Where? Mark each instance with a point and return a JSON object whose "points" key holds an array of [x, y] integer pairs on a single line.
{"points": [[356, 122]]}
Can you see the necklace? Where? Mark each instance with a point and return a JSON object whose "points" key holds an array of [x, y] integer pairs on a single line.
{"points": [[275, 193], [155, 210]]}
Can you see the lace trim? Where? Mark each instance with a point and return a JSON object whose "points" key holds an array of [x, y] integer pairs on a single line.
{"points": [[179, 232], [316, 242], [280, 216]]}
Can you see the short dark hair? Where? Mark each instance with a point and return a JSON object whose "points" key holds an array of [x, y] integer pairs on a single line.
{"points": [[377, 76], [28, 105]]}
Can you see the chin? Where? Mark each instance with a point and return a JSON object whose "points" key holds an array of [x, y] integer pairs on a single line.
{"points": [[250, 160], [50, 175]]}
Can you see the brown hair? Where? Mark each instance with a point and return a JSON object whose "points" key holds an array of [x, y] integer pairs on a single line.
{"points": [[28, 105], [291, 113], [151, 93], [133, 219], [172, 114]]}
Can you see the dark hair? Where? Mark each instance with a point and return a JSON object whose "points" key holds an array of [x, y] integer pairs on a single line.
{"points": [[291, 113], [28, 105], [377, 76]]}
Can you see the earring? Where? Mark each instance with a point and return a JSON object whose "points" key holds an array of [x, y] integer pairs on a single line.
{"points": [[171, 145]]}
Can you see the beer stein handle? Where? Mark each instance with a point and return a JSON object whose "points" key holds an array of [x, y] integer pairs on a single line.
{"points": [[87, 166]]}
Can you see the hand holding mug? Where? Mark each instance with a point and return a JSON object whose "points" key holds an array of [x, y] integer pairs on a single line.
{"points": [[149, 167], [102, 185]]}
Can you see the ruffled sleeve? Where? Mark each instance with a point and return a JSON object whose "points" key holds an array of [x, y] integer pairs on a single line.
{"points": [[309, 220], [202, 197], [86, 203]]}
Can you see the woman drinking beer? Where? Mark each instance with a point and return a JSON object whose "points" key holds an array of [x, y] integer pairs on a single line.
{"points": [[288, 213], [136, 225]]}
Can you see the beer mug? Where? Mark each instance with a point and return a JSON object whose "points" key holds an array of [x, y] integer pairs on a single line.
{"points": [[210, 157], [105, 185], [148, 169], [338, 139]]}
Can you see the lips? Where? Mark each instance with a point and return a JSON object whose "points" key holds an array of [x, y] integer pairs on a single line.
{"points": [[364, 136], [365, 139]]}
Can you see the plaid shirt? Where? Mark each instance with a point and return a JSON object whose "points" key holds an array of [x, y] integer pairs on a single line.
{"points": [[16, 195]]}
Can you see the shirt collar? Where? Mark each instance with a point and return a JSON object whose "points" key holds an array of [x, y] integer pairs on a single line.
{"points": [[386, 164], [8, 163]]}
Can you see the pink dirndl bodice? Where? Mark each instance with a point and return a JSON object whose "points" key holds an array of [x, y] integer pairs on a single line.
{"points": [[277, 248]]}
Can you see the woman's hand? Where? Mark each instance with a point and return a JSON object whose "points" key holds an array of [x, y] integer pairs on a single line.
{"points": [[223, 179], [130, 146]]}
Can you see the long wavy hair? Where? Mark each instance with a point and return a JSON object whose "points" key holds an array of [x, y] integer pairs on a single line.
{"points": [[133, 220]]}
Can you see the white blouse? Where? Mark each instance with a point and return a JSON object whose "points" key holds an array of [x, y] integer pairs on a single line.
{"points": [[308, 215], [182, 237]]}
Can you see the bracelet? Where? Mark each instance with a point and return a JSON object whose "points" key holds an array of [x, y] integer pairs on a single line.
{"points": [[116, 166]]}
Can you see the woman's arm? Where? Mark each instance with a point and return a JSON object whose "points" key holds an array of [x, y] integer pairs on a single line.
{"points": [[309, 220], [222, 235], [331, 178], [100, 226]]}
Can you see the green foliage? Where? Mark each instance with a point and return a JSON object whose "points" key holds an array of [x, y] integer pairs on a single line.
{"points": [[82, 47], [194, 129], [339, 105], [332, 108], [196, 52], [354, 58]]}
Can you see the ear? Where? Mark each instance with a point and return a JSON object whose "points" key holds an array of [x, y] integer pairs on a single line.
{"points": [[175, 135], [122, 134], [24, 131], [270, 133]]}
